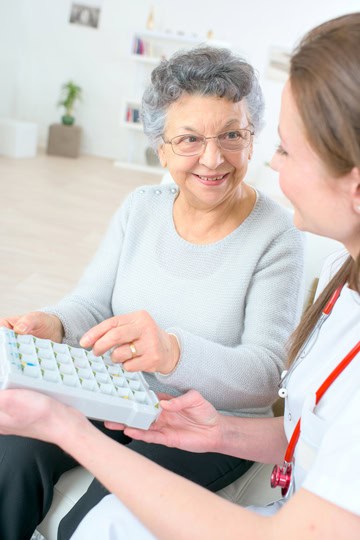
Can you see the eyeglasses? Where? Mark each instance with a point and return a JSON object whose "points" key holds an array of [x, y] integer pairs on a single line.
{"points": [[194, 145]]}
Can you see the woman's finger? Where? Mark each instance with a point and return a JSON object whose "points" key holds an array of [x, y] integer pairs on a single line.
{"points": [[108, 334], [190, 399], [39, 324], [126, 353], [162, 396], [96, 332], [9, 322], [117, 337]]}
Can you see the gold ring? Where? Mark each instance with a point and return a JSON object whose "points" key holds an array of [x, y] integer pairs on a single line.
{"points": [[133, 350]]}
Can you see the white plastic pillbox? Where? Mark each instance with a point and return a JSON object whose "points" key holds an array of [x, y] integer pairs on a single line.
{"points": [[94, 385]]}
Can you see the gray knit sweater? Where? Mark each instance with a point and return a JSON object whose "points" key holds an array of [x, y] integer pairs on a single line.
{"points": [[232, 303]]}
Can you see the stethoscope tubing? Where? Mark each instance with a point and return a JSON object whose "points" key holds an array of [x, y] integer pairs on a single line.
{"points": [[283, 476], [286, 374]]}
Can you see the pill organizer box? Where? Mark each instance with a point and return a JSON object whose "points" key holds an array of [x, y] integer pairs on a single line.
{"points": [[92, 384]]}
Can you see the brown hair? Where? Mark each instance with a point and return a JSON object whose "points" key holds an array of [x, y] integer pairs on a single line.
{"points": [[325, 83]]}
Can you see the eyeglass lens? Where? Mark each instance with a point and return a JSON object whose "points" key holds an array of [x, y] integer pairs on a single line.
{"points": [[190, 145]]}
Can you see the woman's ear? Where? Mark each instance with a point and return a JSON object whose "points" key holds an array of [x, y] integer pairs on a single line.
{"points": [[355, 188], [162, 156]]}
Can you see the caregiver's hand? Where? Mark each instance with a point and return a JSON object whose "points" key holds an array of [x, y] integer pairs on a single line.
{"points": [[136, 340], [37, 323], [188, 422], [31, 414]]}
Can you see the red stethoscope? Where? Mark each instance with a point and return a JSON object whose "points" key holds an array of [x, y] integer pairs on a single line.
{"points": [[282, 475]]}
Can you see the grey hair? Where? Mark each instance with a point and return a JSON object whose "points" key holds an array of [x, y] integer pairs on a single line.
{"points": [[205, 70]]}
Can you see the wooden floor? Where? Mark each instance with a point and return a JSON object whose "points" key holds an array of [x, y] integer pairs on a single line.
{"points": [[53, 213]]}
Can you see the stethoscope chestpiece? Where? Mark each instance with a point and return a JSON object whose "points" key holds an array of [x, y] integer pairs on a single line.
{"points": [[281, 476]]}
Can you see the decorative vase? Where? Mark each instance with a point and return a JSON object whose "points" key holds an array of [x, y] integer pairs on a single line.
{"points": [[150, 20]]}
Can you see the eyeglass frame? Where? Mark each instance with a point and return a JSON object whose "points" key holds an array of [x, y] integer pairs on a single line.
{"points": [[205, 139]]}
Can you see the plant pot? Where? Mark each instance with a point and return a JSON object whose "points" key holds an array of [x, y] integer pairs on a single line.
{"points": [[64, 140], [67, 120]]}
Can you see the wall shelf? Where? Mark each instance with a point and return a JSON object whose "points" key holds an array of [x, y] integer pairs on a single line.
{"points": [[145, 59], [190, 39], [137, 126]]}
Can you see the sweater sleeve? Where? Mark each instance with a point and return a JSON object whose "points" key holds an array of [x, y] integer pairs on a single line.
{"points": [[246, 376], [90, 302]]}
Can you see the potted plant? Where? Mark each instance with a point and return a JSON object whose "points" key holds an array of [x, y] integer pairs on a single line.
{"points": [[71, 93]]}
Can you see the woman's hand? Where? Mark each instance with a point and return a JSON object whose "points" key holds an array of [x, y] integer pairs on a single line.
{"points": [[137, 341], [37, 323], [31, 414], [188, 422]]}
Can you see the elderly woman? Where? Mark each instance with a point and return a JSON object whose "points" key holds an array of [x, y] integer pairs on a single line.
{"points": [[196, 283]]}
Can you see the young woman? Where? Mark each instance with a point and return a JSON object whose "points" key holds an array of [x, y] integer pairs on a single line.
{"points": [[318, 161]]}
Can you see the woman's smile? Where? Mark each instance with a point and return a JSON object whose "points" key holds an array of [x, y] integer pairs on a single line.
{"points": [[212, 180]]}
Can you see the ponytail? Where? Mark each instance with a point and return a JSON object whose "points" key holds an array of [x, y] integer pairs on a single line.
{"points": [[348, 273]]}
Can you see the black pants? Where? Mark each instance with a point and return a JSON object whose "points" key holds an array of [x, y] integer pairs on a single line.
{"points": [[29, 469]]}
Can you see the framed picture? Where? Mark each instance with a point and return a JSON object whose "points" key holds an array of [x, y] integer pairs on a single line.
{"points": [[86, 14]]}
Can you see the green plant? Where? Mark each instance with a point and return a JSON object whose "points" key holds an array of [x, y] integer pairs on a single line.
{"points": [[71, 93]]}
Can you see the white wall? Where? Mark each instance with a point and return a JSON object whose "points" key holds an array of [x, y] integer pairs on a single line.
{"points": [[40, 51]]}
